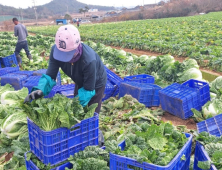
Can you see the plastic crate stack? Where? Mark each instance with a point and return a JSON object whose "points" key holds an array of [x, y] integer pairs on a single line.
{"points": [[56, 146], [9, 61], [179, 99], [214, 127], [31, 82], [109, 90], [15, 80], [67, 90], [145, 93], [43, 71], [31, 166], [114, 79], [28, 73], [123, 163], [202, 87], [142, 78], [7, 70]]}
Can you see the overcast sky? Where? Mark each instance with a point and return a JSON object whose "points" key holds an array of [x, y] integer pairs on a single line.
{"points": [[28, 3]]}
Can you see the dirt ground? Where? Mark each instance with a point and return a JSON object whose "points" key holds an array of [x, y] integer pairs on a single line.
{"points": [[190, 123]]}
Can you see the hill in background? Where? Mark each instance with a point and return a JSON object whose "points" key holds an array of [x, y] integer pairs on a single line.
{"points": [[55, 7]]}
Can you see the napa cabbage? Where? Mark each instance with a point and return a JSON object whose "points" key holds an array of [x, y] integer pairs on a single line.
{"points": [[216, 86], [212, 108], [142, 59], [190, 63], [192, 73], [14, 97], [209, 110], [129, 59], [5, 88], [14, 125]]}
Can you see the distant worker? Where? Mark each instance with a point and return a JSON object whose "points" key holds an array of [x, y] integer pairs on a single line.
{"points": [[20, 31], [77, 23]]}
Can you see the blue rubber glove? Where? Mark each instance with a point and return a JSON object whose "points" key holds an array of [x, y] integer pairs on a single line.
{"points": [[85, 96], [46, 83]]}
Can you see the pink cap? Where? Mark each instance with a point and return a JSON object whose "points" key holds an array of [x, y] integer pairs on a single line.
{"points": [[67, 40]]}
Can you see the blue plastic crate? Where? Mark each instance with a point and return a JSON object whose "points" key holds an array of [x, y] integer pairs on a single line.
{"points": [[145, 93], [109, 90], [203, 88], [43, 71], [3, 71], [68, 90], [213, 126], [31, 166], [31, 82], [68, 93], [142, 78], [7, 70], [11, 69], [125, 163], [9, 60], [179, 100], [114, 80], [201, 155], [28, 73], [17, 81], [60, 88], [57, 145]]}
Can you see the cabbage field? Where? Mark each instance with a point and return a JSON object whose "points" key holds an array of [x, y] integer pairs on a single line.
{"points": [[198, 37], [147, 137]]}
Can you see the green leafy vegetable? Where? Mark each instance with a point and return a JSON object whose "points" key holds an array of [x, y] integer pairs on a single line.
{"points": [[156, 144], [92, 157], [213, 146], [216, 86], [56, 112]]}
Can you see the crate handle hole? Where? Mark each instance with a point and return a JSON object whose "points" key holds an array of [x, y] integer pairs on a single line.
{"points": [[176, 91], [75, 128]]}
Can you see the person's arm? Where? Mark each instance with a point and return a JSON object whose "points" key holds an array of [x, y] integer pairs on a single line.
{"points": [[86, 93], [47, 81], [16, 31]]}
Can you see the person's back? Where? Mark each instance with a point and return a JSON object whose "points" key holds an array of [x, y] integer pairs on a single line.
{"points": [[20, 31]]}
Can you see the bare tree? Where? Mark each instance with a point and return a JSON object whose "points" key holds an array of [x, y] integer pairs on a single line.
{"points": [[84, 10]]}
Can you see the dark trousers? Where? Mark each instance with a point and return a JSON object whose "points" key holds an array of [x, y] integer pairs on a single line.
{"points": [[20, 46], [95, 99]]}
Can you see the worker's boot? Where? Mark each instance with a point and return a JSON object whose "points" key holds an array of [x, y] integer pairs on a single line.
{"points": [[101, 139], [19, 60], [30, 57]]}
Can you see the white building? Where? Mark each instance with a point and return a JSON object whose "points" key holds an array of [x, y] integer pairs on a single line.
{"points": [[93, 10]]}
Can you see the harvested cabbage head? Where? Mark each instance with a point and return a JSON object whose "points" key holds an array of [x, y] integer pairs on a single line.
{"points": [[14, 97]]}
